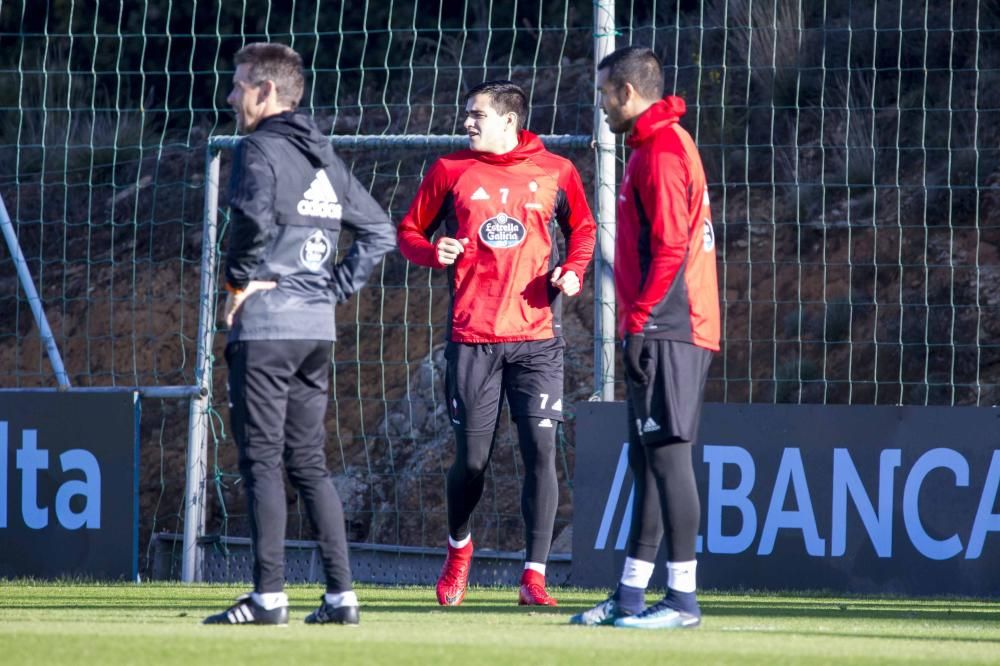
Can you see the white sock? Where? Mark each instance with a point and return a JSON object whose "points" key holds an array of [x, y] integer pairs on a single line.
{"points": [[270, 600], [535, 566], [681, 575], [338, 599], [460, 544], [636, 573]]}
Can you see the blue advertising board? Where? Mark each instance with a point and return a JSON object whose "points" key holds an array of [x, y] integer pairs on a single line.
{"points": [[870, 499], [69, 485]]}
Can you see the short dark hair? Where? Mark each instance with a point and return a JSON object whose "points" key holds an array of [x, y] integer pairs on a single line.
{"points": [[278, 63], [637, 65], [505, 96]]}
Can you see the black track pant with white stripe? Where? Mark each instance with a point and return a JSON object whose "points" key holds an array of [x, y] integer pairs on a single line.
{"points": [[278, 397]]}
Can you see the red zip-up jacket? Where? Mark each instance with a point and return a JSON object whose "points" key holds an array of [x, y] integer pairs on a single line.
{"points": [[665, 275], [508, 207]]}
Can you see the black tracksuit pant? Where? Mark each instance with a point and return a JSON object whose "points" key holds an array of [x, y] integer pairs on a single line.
{"points": [[278, 397]]}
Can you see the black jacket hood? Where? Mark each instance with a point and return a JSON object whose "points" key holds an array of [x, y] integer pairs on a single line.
{"points": [[300, 130]]}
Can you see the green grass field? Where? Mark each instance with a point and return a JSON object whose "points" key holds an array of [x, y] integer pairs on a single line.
{"points": [[159, 623]]}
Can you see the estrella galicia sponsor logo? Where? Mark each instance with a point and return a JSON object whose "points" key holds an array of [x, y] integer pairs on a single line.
{"points": [[502, 231], [315, 251]]}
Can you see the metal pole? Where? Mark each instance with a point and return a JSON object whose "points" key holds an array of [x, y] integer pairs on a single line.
{"points": [[604, 266], [196, 489], [157, 392], [24, 275], [422, 142]]}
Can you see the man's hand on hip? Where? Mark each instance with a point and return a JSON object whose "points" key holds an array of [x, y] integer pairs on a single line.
{"points": [[235, 299]]}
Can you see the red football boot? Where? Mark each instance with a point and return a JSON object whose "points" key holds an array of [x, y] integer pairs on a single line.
{"points": [[454, 576], [533, 590]]}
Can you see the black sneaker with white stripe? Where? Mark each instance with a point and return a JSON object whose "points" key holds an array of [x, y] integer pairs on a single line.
{"points": [[327, 614], [248, 611]]}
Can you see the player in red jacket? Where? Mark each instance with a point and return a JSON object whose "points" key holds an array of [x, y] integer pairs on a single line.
{"points": [[498, 206], [668, 317]]}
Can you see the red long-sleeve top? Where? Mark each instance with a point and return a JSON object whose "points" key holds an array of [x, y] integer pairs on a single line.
{"points": [[665, 274], [508, 207]]}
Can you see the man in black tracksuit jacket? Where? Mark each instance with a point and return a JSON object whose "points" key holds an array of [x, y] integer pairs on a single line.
{"points": [[290, 195]]}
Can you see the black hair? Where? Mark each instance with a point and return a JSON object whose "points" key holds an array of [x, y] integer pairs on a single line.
{"points": [[277, 63], [505, 97], [637, 65]]}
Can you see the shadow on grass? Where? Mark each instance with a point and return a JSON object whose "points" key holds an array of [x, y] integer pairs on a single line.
{"points": [[859, 610], [209, 607], [877, 635], [475, 608], [844, 611]]}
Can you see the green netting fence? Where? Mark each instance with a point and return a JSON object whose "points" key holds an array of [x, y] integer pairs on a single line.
{"points": [[852, 149]]}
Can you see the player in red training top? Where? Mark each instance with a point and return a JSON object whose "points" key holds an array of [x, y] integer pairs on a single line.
{"points": [[498, 205], [668, 318]]}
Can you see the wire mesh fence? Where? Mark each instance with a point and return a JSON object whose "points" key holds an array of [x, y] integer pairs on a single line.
{"points": [[851, 150]]}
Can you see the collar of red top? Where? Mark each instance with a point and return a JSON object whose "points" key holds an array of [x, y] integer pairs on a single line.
{"points": [[528, 144], [662, 114]]}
